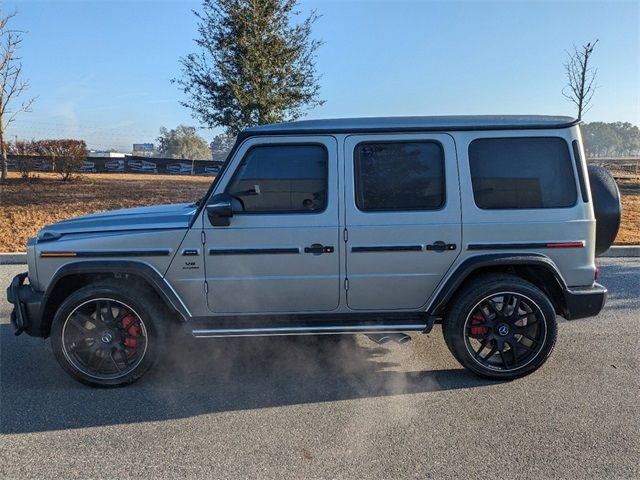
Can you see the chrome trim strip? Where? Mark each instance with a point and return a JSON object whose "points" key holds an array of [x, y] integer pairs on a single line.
{"points": [[310, 330]]}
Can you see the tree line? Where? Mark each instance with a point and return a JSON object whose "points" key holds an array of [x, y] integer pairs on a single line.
{"points": [[617, 139]]}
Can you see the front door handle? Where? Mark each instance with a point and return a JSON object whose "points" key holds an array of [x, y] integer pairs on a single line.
{"points": [[440, 246], [318, 249]]}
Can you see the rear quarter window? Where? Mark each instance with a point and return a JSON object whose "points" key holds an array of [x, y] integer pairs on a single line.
{"points": [[522, 173]]}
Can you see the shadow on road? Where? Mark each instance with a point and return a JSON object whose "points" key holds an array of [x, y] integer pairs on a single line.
{"points": [[201, 377]]}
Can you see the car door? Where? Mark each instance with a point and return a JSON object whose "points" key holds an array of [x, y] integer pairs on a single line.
{"points": [[279, 252], [402, 213]]}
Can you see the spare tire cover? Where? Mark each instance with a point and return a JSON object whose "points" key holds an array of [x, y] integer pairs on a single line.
{"points": [[606, 206]]}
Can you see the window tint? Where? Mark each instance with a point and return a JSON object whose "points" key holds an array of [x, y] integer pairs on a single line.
{"points": [[399, 176], [531, 172], [282, 178]]}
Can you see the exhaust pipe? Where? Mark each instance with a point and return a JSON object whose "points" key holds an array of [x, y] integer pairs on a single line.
{"points": [[379, 338], [382, 338], [401, 338]]}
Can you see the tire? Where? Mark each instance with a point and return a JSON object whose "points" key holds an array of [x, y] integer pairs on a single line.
{"points": [[496, 343], [114, 347], [606, 206]]}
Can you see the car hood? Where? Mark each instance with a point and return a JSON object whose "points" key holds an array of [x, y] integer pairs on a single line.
{"points": [[143, 218]]}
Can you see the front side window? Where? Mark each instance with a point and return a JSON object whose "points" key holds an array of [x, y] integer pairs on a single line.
{"points": [[282, 179], [534, 172], [399, 176]]}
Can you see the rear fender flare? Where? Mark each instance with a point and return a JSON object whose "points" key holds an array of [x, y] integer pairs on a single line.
{"points": [[466, 268]]}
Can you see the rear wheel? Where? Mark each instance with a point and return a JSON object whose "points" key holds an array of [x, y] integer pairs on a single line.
{"points": [[107, 334], [501, 326]]}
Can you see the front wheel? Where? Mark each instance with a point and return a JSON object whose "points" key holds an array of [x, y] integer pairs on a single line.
{"points": [[501, 326], [106, 334]]}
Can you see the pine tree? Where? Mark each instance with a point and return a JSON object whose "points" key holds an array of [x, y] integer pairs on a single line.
{"points": [[256, 64]]}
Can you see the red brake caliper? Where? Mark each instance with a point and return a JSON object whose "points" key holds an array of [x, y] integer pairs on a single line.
{"points": [[133, 329], [478, 332]]}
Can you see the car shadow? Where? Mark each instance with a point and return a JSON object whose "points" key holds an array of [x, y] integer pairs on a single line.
{"points": [[201, 377]]}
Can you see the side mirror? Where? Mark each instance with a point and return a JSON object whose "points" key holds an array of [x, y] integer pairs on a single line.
{"points": [[220, 210]]}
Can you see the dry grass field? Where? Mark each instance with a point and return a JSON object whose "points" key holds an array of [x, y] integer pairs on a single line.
{"points": [[627, 173], [26, 206], [629, 233]]}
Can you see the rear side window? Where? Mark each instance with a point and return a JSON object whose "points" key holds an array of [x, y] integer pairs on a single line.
{"points": [[399, 176], [282, 179], [534, 172]]}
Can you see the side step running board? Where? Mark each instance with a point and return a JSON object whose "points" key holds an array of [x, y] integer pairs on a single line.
{"points": [[310, 330]]}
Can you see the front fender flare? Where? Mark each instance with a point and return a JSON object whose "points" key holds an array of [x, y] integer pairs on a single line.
{"points": [[150, 275]]}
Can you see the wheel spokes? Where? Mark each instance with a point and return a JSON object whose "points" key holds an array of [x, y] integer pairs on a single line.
{"points": [[483, 345], [80, 323], [113, 360], [506, 301], [493, 350], [98, 312], [492, 306], [109, 313], [511, 332], [504, 361], [82, 345], [98, 339], [516, 307]]}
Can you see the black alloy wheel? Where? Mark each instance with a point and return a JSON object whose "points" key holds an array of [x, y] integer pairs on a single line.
{"points": [[500, 326], [109, 333], [104, 338], [505, 331]]}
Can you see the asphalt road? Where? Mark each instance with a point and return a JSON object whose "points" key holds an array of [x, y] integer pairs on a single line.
{"points": [[278, 408]]}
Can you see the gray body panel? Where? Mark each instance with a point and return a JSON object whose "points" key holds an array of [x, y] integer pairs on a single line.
{"points": [[155, 248], [143, 218], [545, 225], [276, 282], [388, 280]]}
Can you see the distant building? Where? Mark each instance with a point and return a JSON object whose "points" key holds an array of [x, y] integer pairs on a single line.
{"points": [[144, 149], [101, 154]]}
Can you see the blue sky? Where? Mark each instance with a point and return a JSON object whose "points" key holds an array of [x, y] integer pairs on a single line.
{"points": [[101, 69]]}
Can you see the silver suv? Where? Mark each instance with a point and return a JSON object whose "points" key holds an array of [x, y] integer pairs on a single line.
{"points": [[375, 225]]}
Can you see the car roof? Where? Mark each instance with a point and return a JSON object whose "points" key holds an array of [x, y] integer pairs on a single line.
{"points": [[413, 124]]}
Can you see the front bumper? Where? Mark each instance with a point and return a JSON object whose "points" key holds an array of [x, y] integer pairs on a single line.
{"points": [[26, 316], [584, 301]]}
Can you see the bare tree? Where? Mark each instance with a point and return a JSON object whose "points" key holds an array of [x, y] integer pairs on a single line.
{"points": [[12, 86], [580, 77]]}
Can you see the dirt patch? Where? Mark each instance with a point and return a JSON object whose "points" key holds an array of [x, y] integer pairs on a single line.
{"points": [[27, 206]]}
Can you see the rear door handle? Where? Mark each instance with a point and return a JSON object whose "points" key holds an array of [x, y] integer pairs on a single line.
{"points": [[318, 249], [440, 246]]}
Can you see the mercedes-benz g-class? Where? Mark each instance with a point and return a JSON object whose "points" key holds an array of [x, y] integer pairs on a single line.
{"points": [[488, 224]]}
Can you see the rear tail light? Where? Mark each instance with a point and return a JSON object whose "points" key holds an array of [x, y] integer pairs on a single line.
{"points": [[597, 274]]}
